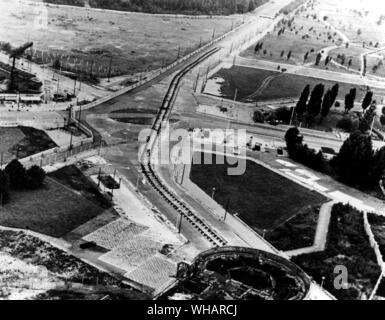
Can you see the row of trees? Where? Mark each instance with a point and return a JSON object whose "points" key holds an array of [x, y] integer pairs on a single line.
{"points": [[171, 6], [16, 177], [318, 103], [356, 163], [300, 152]]}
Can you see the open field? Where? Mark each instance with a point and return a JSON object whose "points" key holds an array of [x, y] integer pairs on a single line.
{"points": [[298, 232], [361, 22], [23, 141], [350, 16], [303, 35], [347, 245], [258, 85], [136, 42], [33, 269], [73, 178], [54, 210], [253, 195]]}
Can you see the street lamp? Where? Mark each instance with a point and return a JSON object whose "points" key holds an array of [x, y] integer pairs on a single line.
{"points": [[213, 193]]}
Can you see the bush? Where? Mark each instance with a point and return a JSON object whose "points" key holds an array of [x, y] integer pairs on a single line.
{"points": [[258, 117], [21, 179], [4, 187], [347, 124], [17, 174], [283, 114], [35, 177]]}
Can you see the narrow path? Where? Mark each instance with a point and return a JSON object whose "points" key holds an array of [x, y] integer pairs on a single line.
{"points": [[262, 87], [321, 232]]}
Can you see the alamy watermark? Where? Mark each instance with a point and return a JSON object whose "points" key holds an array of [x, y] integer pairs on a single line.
{"points": [[195, 146]]}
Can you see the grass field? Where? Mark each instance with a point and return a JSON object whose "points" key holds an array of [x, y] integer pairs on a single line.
{"points": [[297, 232], [293, 40], [73, 178], [254, 195], [54, 210], [24, 141], [85, 40], [247, 81]]}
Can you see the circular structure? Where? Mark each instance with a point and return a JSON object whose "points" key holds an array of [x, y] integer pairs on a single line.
{"points": [[241, 274]]}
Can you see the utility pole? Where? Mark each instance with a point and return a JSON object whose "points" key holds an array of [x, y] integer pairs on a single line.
{"points": [[213, 33], [71, 140], [292, 115], [371, 127], [80, 113], [180, 222], [227, 209]]}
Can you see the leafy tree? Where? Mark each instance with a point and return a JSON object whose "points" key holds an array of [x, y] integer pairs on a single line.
{"points": [[349, 99], [354, 160], [289, 55], [301, 153], [283, 114], [36, 176], [367, 120], [282, 53], [305, 56], [367, 100], [318, 59], [334, 93], [293, 139], [353, 92], [56, 64], [347, 124], [300, 107], [378, 168], [314, 104], [258, 117], [17, 174], [4, 187], [326, 104]]}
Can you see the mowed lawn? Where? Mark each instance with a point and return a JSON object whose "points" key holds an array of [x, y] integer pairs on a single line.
{"points": [[24, 141], [53, 210], [262, 198], [248, 81]]}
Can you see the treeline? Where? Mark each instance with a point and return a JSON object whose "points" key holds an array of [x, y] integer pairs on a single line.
{"points": [[356, 164], [16, 177], [192, 7]]}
